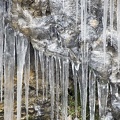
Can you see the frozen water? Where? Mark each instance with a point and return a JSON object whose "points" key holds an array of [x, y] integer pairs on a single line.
{"points": [[75, 88], [21, 45], [36, 69], [84, 84], [118, 30], [57, 71], [9, 66], [42, 63], [54, 61], [76, 13], [52, 81], [102, 98], [92, 95], [27, 78], [111, 18], [105, 13], [1, 50], [47, 75]]}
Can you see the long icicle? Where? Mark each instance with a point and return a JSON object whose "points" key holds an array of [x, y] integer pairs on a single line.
{"points": [[82, 19], [75, 88], [47, 75], [102, 98], [60, 67], [85, 22], [105, 27], [9, 66], [118, 31], [36, 70], [57, 87], [21, 45], [51, 80], [64, 87], [42, 63], [1, 49], [111, 18], [76, 13], [84, 82], [92, 96], [27, 78]]}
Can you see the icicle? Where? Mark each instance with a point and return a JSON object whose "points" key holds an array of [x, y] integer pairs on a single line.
{"points": [[92, 96], [85, 20], [63, 90], [84, 81], [60, 66], [75, 88], [1, 50], [102, 98], [47, 76], [105, 27], [36, 70], [65, 83], [57, 87], [66, 86], [111, 18], [27, 78], [41, 55], [9, 66], [82, 20], [118, 31], [21, 45], [51, 80], [76, 13]]}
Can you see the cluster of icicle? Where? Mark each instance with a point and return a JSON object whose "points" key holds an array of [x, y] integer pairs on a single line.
{"points": [[15, 50]]}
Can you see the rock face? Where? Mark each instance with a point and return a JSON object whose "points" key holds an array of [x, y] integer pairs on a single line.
{"points": [[55, 23], [55, 26]]}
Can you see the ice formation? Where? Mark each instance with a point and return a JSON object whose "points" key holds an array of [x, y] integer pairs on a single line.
{"points": [[55, 58]]}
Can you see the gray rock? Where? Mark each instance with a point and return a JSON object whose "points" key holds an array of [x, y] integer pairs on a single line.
{"points": [[97, 63]]}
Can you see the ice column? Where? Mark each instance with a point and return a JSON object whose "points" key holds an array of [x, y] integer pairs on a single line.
{"points": [[102, 98], [105, 13], [9, 66], [36, 69], [111, 18], [118, 31], [52, 85], [42, 63], [27, 78], [75, 78], [1, 49], [47, 75], [92, 94], [65, 82], [83, 81], [21, 45], [57, 69], [76, 13]]}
